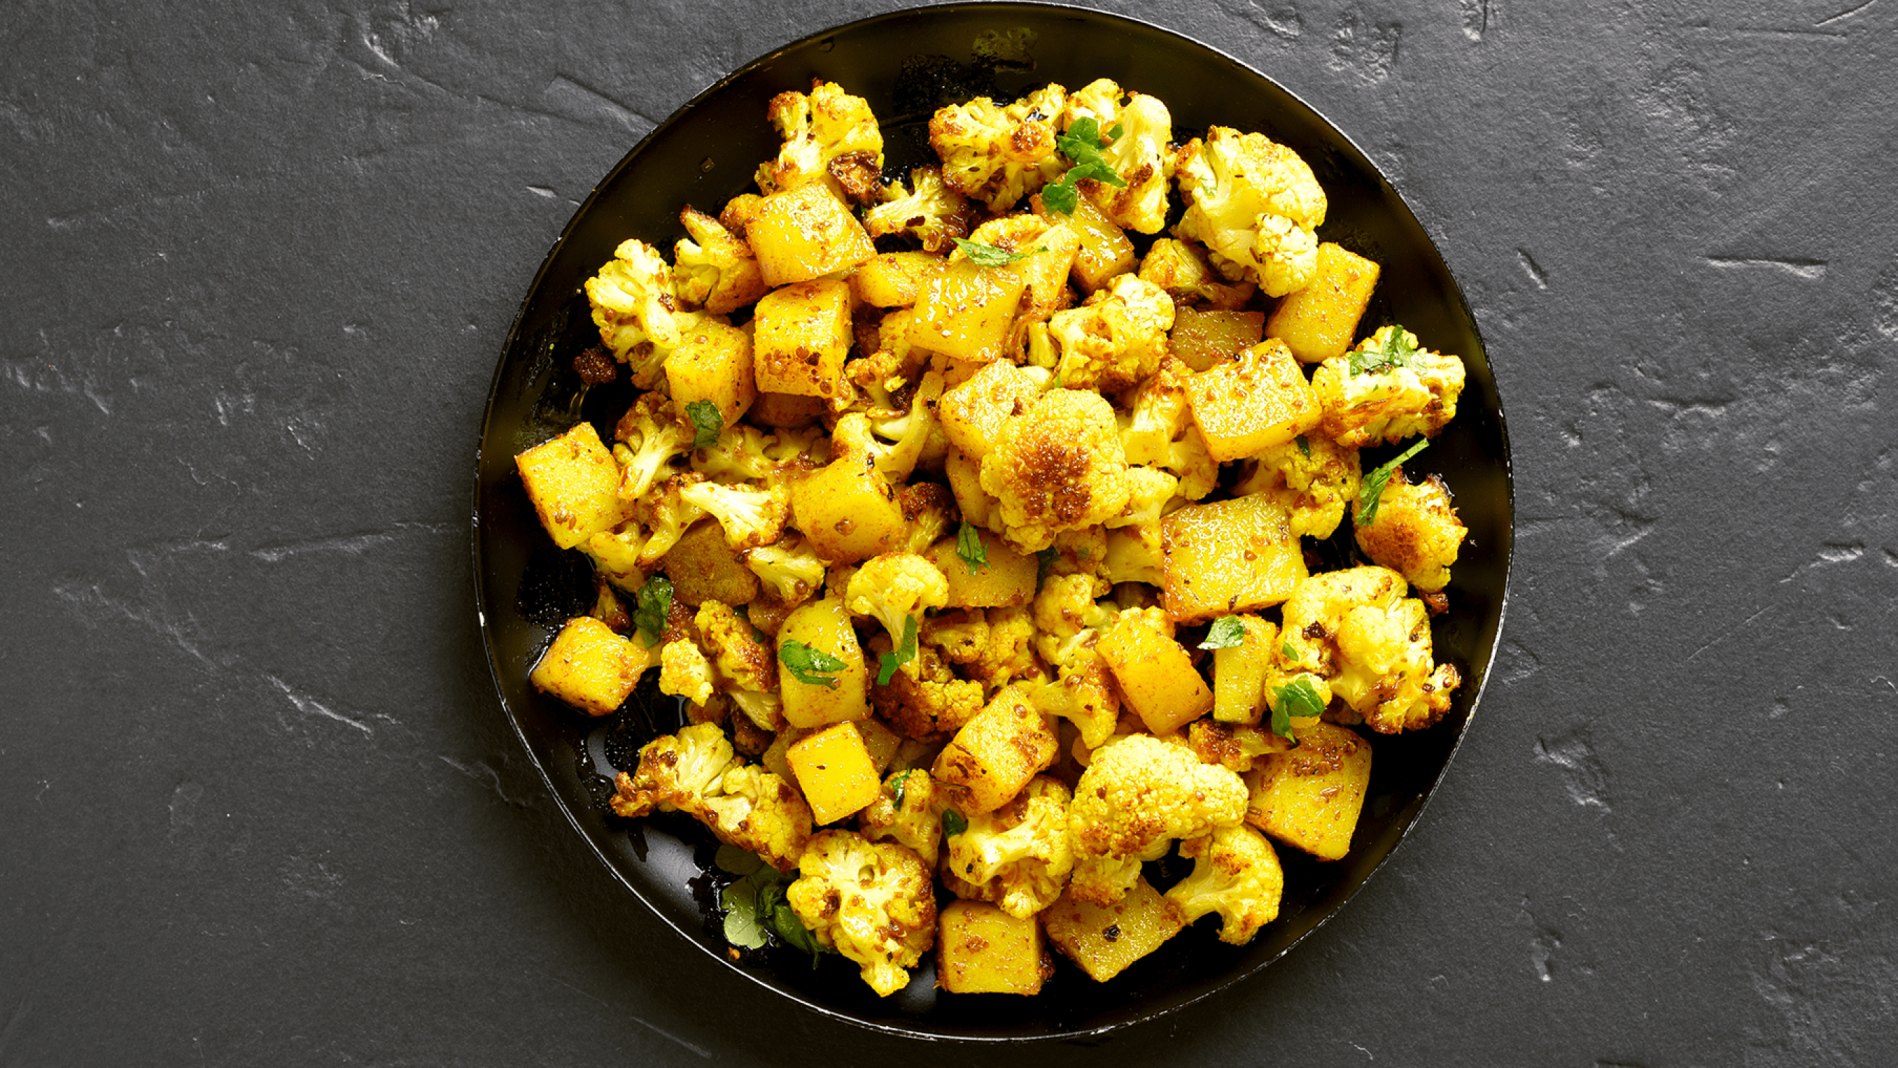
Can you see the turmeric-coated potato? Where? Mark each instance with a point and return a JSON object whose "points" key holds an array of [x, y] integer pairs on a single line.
{"points": [[1310, 796], [894, 279], [1252, 402], [848, 511], [1006, 578], [590, 667], [574, 484], [830, 696], [805, 233], [802, 335], [1236, 555], [704, 567], [1155, 673], [1105, 250], [1319, 321], [982, 950], [965, 311], [995, 754], [834, 769], [713, 363], [1239, 672], [1202, 339], [972, 413], [1104, 941]]}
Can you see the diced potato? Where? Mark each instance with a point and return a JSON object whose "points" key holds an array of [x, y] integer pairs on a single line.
{"points": [[965, 482], [1007, 580], [805, 233], [1104, 941], [1319, 321], [894, 279], [1239, 672], [972, 413], [1203, 339], [713, 363], [824, 626], [1310, 796], [965, 311], [590, 667], [1046, 268], [1247, 405], [848, 512], [703, 567], [881, 741], [983, 950], [1105, 250], [995, 754], [1236, 555], [574, 483], [835, 772], [802, 337], [1156, 674], [786, 411]]}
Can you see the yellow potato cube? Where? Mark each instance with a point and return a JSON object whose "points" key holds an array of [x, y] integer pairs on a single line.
{"points": [[805, 233], [1239, 672], [1105, 251], [1204, 339], [832, 697], [1247, 405], [713, 363], [834, 770], [965, 311], [1237, 555], [894, 279], [704, 567], [1007, 580], [590, 667], [574, 483], [848, 512], [995, 754], [1104, 941], [973, 412], [983, 950], [1156, 674], [1319, 321], [1310, 796], [786, 411], [965, 483], [801, 336]]}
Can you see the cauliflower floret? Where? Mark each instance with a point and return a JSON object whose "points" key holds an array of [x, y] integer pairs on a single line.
{"points": [[915, 821], [1134, 555], [743, 667], [1140, 154], [1158, 414], [742, 453], [911, 435], [615, 555], [1083, 692], [1414, 532], [928, 510], [1189, 460], [790, 568], [636, 310], [829, 136], [1255, 205], [675, 772], [1137, 794], [1232, 745], [757, 810], [1066, 616], [684, 672], [1181, 269], [666, 514], [998, 155], [1312, 478], [1356, 630], [895, 588], [1151, 490], [751, 517], [925, 699], [1387, 389], [1057, 466], [873, 902], [1080, 552], [1115, 339], [995, 647], [648, 438], [713, 269], [1236, 874], [1016, 857], [927, 209]]}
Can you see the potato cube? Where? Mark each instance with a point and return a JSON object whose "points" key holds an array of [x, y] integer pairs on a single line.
{"points": [[1104, 941], [1319, 321], [983, 950], [713, 363], [965, 483], [805, 233], [1156, 674], [704, 567], [848, 512], [894, 279], [1105, 250], [786, 411], [1239, 672], [590, 667], [881, 741], [1237, 555], [995, 754], [832, 697], [574, 484], [1006, 580], [802, 336], [1247, 405], [972, 413], [965, 311], [1203, 339], [1310, 796], [1049, 261], [835, 772]]}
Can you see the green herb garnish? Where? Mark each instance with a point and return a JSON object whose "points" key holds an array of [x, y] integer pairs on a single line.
{"points": [[1044, 563], [1081, 144], [1289, 653], [975, 555], [953, 823], [810, 666], [707, 423], [1304, 446], [756, 913], [1226, 632], [653, 604], [887, 663], [1395, 351], [1295, 699], [1372, 491], [988, 255], [897, 782]]}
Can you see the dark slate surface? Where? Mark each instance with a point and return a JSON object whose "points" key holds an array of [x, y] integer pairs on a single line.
{"points": [[258, 801]]}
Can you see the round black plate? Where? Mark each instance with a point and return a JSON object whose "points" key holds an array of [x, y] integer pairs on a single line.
{"points": [[907, 64]]}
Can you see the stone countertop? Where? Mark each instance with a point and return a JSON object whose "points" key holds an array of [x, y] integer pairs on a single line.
{"points": [[258, 798]]}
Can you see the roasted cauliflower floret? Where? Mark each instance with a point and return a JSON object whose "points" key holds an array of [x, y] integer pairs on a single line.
{"points": [[1135, 554], [999, 155], [741, 665], [695, 771], [789, 568], [1141, 153], [870, 901], [1256, 207], [829, 136], [1312, 477], [635, 307], [1356, 630], [648, 440], [675, 772], [1057, 466], [684, 671], [909, 812], [1236, 746], [1115, 339], [928, 511], [1236, 874], [895, 589], [666, 515], [994, 648], [1137, 794], [1016, 857], [1066, 616], [714, 269], [755, 809], [1414, 530], [1181, 269], [751, 517], [1387, 389], [926, 209], [925, 699]]}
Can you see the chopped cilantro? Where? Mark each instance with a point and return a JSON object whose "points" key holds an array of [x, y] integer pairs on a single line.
{"points": [[1304, 446], [652, 605], [1373, 489], [988, 255], [887, 663], [1081, 144], [975, 555], [808, 665], [707, 423], [1395, 351], [1295, 699], [897, 782], [1226, 632], [953, 823]]}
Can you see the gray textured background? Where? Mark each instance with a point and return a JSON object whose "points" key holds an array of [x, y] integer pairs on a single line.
{"points": [[258, 801]]}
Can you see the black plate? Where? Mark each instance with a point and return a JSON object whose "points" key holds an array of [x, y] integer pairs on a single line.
{"points": [[705, 154]]}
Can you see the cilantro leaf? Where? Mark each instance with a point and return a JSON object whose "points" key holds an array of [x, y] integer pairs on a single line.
{"points": [[1372, 491], [1395, 351], [988, 255], [1289, 653], [653, 604], [975, 555], [736, 861], [1304, 446], [1226, 632], [905, 651], [707, 423], [1295, 699], [897, 783], [1082, 145], [953, 823], [808, 665], [740, 901]]}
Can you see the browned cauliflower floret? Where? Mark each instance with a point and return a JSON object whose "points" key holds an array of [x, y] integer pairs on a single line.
{"points": [[1236, 874], [1387, 389], [751, 516], [744, 669], [1181, 269], [926, 208], [1137, 795], [925, 699], [636, 309], [1016, 857], [755, 809], [870, 901], [790, 568], [695, 771], [1414, 530], [1140, 153], [1255, 205], [829, 136], [999, 155], [1236, 746], [713, 268], [994, 647], [1312, 477], [647, 439], [1115, 339], [1057, 466], [908, 811], [684, 671], [895, 589], [1357, 631]]}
